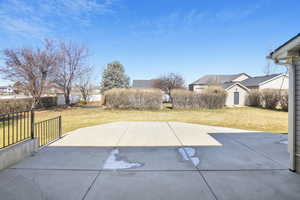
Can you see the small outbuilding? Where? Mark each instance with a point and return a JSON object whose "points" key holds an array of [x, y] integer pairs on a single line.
{"points": [[288, 55], [236, 94]]}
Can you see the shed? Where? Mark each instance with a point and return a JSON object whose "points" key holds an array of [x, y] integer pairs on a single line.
{"points": [[236, 94], [288, 55]]}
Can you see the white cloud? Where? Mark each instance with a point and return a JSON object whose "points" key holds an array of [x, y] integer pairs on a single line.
{"points": [[39, 18], [192, 20], [173, 22]]}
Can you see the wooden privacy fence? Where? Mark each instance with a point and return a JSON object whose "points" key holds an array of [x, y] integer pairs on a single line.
{"points": [[16, 127]]}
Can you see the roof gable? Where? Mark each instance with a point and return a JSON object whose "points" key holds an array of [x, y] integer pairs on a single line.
{"points": [[229, 85]]}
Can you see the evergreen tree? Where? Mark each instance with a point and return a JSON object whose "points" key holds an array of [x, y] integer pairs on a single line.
{"points": [[114, 77]]}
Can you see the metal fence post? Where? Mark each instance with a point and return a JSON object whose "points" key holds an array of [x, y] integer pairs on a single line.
{"points": [[60, 127], [32, 124]]}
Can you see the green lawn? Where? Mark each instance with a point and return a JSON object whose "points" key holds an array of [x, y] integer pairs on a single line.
{"points": [[243, 118]]}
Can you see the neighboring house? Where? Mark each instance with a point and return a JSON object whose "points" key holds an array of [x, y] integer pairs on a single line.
{"points": [[148, 84], [238, 85], [6, 90], [205, 81], [273, 81], [236, 92], [143, 84]]}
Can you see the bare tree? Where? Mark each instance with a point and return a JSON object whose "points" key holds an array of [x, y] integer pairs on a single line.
{"points": [[31, 68], [268, 68], [84, 84], [169, 82], [72, 63]]}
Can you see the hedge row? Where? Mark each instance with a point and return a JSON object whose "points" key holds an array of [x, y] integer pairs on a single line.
{"points": [[21, 104], [269, 99], [133, 99], [210, 98]]}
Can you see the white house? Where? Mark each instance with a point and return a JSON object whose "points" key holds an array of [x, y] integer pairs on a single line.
{"points": [[288, 55], [239, 85], [231, 83], [273, 81], [6, 90]]}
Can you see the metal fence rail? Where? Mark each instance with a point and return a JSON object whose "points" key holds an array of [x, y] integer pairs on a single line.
{"points": [[19, 126], [16, 127], [48, 130]]}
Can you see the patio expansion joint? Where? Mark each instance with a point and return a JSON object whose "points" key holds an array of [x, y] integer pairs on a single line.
{"points": [[92, 184], [119, 140], [209, 187], [252, 149], [173, 131], [56, 169]]}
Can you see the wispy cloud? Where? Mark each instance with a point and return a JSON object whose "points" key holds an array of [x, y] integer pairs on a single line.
{"points": [[193, 20], [39, 18], [172, 22]]}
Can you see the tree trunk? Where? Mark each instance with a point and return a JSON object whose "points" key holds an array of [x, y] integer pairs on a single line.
{"points": [[67, 98]]}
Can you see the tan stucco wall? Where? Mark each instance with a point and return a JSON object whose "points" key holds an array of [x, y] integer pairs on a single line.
{"points": [[240, 78], [230, 95], [281, 82]]}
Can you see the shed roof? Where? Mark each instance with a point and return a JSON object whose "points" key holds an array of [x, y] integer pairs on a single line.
{"points": [[255, 81], [228, 85], [143, 83], [216, 79]]}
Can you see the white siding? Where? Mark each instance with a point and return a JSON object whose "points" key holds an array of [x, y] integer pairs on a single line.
{"points": [[230, 95], [281, 82], [199, 88]]}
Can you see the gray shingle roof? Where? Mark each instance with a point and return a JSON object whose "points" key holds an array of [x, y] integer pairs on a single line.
{"points": [[216, 79], [228, 84], [255, 81], [143, 83]]}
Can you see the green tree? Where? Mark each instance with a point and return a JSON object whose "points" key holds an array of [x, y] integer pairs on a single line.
{"points": [[114, 77]]}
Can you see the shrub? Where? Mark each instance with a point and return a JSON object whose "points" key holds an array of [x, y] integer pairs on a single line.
{"points": [[254, 98], [22, 104], [210, 98], [133, 99], [270, 98], [284, 100], [214, 97], [82, 102], [47, 102]]}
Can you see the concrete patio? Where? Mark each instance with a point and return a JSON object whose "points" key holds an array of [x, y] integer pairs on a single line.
{"points": [[156, 161]]}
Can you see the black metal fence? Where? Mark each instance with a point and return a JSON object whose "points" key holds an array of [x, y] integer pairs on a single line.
{"points": [[19, 126], [16, 127], [48, 130]]}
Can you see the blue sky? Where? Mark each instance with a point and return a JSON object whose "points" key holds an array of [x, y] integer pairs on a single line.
{"points": [[151, 38]]}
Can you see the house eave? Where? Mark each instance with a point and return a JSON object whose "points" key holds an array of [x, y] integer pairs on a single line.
{"points": [[290, 49]]}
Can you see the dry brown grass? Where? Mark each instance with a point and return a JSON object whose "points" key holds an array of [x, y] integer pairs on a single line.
{"points": [[243, 118]]}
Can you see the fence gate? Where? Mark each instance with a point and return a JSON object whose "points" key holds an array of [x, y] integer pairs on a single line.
{"points": [[19, 126], [48, 130]]}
